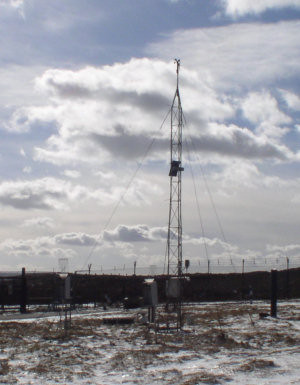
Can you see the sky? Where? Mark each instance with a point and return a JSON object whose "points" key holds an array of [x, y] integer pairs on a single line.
{"points": [[86, 89]]}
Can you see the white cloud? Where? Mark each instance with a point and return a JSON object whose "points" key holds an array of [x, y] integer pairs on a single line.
{"points": [[235, 142], [41, 248], [23, 117], [106, 177], [39, 222], [262, 109], [292, 249], [15, 4], [122, 233], [237, 8], [12, 3], [57, 194], [136, 233], [236, 55], [211, 242], [144, 233], [115, 111], [74, 174], [112, 112], [22, 152], [245, 174], [75, 239], [43, 194], [292, 100], [27, 170], [239, 173]]}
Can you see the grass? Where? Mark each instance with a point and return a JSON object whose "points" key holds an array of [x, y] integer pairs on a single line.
{"points": [[224, 330], [257, 364]]}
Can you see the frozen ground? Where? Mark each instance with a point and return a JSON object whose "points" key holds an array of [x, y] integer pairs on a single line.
{"points": [[221, 343]]}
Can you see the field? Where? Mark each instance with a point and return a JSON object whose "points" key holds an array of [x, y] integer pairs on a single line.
{"points": [[220, 343]]}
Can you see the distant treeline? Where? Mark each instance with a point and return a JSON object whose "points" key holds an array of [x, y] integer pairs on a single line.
{"points": [[49, 288]]}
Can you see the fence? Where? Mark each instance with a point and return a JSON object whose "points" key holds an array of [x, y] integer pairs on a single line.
{"points": [[210, 266], [47, 288]]}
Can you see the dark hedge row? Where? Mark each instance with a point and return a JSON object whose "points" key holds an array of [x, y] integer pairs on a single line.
{"points": [[47, 288]]}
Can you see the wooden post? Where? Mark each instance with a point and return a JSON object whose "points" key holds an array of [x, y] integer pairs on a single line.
{"points": [[243, 279], [23, 297], [287, 294], [274, 293]]}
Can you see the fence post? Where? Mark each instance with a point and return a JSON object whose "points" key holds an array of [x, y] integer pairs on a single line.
{"points": [[23, 297], [243, 279], [273, 293], [287, 278]]}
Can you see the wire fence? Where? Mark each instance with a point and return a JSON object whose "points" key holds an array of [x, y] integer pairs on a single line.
{"points": [[210, 266]]}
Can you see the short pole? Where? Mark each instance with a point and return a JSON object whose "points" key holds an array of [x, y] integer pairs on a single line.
{"points": [[243, 279], [274, 293], [287, 278], [23, 292]]}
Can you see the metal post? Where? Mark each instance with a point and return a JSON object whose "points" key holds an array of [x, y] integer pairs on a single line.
{"points": [[23, 299], [274, 287], [287, 278], [243, 278]]}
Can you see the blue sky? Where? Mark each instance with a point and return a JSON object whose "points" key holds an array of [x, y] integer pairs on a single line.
{"points": [[85, 88]]}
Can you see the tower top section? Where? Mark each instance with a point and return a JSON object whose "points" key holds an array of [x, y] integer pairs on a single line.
{"points": [[177, 62]]}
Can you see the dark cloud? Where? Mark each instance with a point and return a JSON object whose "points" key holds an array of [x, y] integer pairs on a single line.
{"points": [[69, 90], [43, 194], [129, 146], [75, 239], [138, 233], [27, 200], [239, 144], [149, 101]]}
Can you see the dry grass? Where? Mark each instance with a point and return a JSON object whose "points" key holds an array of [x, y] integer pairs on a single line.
{"points": [[233, 332], [204, 377], [4, 367], [257, 364]]}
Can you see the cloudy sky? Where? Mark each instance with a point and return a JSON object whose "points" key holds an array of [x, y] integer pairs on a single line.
{"points": [[84, 154]]}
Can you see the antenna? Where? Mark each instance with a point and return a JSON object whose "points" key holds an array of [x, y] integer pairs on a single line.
{"points": [[174, 243]]}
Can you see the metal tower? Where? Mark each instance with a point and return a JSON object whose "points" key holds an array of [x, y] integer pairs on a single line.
{"points": [[174, 243]]}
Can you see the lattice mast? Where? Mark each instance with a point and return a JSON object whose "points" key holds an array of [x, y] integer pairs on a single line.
{"points": [[174, 243]]}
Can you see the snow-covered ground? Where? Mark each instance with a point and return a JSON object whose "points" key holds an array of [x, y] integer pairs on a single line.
{"points": [[220, 343]]}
